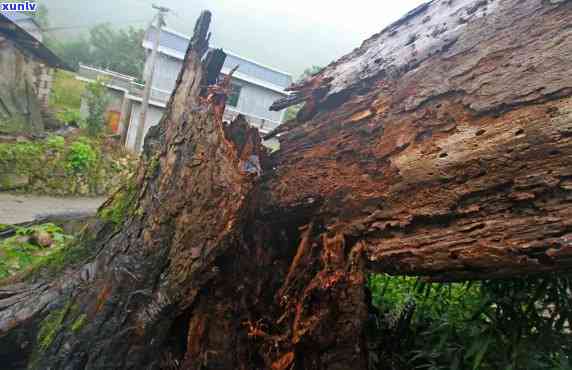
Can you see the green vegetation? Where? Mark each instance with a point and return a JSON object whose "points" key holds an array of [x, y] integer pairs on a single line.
{"points": [[70, 117], [501, 325], [79, 323], [81, 156], [97, 101], [121, 205], [15, 124], [66, 92], [50, 327], [106, 47], [75, 251], [65, 100], [64, 166], [57, 321], [31, 247]]}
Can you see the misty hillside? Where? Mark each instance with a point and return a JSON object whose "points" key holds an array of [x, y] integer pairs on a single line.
{"points": [[289, 36]]}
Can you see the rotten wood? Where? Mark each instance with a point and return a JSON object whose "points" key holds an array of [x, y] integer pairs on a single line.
{"points": [[443, 142]]}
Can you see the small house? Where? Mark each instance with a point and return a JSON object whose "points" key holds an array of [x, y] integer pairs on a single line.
{"points": [[26, 70], [255, 86]]}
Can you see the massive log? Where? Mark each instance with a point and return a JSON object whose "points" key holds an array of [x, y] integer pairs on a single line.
{"points": [[439, 148]]}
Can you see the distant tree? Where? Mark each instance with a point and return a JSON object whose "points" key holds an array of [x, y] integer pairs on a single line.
{"points": [[291, 112], [118, 50], [97, 101], [74, 51]]}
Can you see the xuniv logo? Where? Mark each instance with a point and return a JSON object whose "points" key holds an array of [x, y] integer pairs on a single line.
{"points": [[27, 6]]}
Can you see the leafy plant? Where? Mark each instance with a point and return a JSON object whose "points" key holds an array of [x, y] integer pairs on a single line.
{"points": [[509, 325], [20, 252], [70, 117], [66, 93], [56, 142], [81, 156], [97, 101]]}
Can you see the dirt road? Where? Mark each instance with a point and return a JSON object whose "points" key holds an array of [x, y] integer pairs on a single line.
{"points": [[15, 208]]}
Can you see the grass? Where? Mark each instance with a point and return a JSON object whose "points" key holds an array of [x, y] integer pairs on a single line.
{"points": [[122, 204], [66, 91], [21, 252]]}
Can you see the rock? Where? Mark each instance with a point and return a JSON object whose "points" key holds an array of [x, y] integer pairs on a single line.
{"points": [[83, 189], [43, 239], [9, 181]]}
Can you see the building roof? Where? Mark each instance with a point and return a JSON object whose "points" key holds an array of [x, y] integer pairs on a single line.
{"points": [[175, 44], [29, 44], [18, 16]]}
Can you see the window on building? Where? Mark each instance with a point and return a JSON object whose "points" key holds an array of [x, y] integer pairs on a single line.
{"points": [[232, 99]]}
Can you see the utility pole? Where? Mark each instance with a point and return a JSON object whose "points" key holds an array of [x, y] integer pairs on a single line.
{"points": [[161, 11]]}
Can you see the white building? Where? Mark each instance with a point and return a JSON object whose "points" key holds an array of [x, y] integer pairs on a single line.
{"points": [[254, 87]]}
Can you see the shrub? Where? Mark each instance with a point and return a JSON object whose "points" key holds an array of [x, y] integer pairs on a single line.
{"points": [[66, 91], [56, 142], [70, 116], [97, 101], [19, 253], [81, 157], [507, 325]]}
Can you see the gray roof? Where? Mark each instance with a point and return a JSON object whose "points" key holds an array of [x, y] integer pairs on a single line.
{"points": [[28, 44], [18, 16], [179, 43]]}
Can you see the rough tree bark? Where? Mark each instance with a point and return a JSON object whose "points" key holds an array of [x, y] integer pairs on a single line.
{"points": [[439, 148]]}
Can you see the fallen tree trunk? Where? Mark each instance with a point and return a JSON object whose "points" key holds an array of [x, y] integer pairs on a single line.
{"points": [[439, 148]]}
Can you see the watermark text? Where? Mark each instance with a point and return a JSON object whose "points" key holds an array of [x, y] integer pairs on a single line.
{"points": [[26, 6]]}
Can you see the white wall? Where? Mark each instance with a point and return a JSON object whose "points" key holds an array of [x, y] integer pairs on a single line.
{"points": [[166, 72], [154, 115], [254, 100]]}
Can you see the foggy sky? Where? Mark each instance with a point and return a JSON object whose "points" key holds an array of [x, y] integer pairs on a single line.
{"points": [[290, 35]]}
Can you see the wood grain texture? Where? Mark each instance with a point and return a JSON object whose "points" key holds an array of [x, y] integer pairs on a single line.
{"points": [[454, 163]]}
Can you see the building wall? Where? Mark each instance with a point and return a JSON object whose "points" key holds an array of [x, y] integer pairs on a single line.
{"points": [[253, 100], [18, 70], [256, 100], [43, 78], [115, 101], [24, 88], [166, 72], [253, 69], [154, 115]]}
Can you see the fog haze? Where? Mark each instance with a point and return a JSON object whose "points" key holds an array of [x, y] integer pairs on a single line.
{"points": [[290, 35]]}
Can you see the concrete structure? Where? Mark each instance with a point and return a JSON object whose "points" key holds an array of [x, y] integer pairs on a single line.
{"points": [[26, 69], [124, 100], [40, 74], [26, 22], [121, 89], [255, 86]]}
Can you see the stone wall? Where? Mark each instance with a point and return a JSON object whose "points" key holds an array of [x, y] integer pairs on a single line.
{"points": [[25, 85], [42, 77], [57, 166]]}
